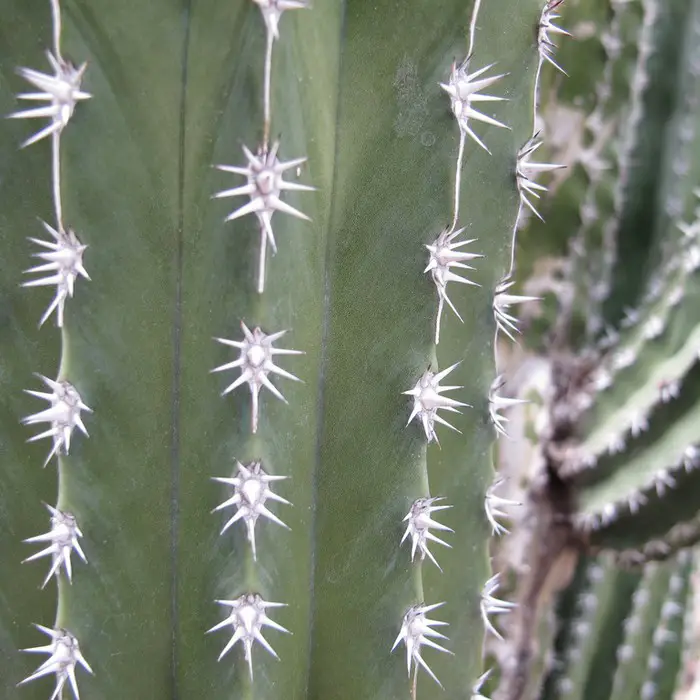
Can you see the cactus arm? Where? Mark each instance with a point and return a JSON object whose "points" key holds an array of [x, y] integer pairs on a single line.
{"points": [[681, 536], [654, 352], [680, 173], [201, 283], [623, 640], [652, 99], [590, 631], [631, 447], [615, 209], [637, 645], [668, 360], [624, 637], [222, 261], [654, 488], [612, 127], [657, 101], [664, 665], [120, 191], [417, 120], [378, 340]]}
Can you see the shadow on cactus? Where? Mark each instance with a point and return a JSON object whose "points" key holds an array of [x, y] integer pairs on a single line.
{"points": [[304, 427]]}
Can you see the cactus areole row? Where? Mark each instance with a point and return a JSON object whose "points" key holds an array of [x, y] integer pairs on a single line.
{"points": [[282, 245]]}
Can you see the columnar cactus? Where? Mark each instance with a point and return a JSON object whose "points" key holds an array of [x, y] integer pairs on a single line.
{"points": [[620, 631], [287, 246]]}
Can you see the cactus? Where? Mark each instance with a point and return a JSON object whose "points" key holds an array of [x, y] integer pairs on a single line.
{"points": [[634, 620], [303, 433]]}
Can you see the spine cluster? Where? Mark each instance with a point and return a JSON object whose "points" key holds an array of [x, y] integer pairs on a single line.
{"points": [[61, 264]]}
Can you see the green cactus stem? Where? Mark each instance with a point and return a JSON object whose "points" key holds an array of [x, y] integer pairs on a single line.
{"points": [[353, 149]]}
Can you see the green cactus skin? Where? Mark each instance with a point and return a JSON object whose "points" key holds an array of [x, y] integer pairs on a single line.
{"points": [[665, 659]]}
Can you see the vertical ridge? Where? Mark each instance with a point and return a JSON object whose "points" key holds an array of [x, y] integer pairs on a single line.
{"points": [[177, 337]]}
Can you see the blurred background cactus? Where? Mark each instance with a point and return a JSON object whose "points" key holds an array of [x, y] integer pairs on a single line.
{"points": [[368, 338]]}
